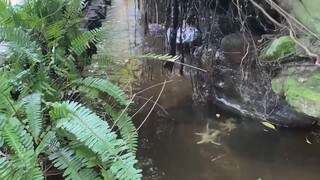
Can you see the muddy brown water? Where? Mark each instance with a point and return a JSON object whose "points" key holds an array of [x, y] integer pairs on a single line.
{"points": [[168, 146]]}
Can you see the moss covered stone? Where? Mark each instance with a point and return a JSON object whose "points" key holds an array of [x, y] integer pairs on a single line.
{"points": [[307, 12], [280, 47], [277, 85], [301, 93]]}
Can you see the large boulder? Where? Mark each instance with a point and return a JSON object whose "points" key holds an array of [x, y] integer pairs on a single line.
{"points": [[301, 88], [246, 91], [306, 11]]}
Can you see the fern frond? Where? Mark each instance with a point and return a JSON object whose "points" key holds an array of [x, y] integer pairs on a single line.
{"points": [[2, 125], [105, 86], [35, 174], [73, 9], [6, 169], [81, 43], [48, 141], [88, 156], [16, 137], [97, 135], [7, 105], [13, 167], [55, 32], [127, 129], [73, 166], [5, 14], [20, 43], [67, 67], [165, 57], [32, 104]]}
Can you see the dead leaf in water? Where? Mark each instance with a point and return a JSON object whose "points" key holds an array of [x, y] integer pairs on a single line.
{"points": [[307, 140], [217, 115], [269, 125]]}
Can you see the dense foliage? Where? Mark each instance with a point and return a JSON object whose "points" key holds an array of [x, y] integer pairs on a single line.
{"points": [[43, 118]]}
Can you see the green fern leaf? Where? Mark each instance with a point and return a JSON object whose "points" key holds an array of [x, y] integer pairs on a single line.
{"points": [[7, 105], [97, 135], [73, 10], [20, 43], [105, 86], [127, 129], [2, 125], [16, 137], [55, 32], [32, 104], [6, 169], [73, 166], [14, 167], [81, 43], [89, 157], [48, 141]]}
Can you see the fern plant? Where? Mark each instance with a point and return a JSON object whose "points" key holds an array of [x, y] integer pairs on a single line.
{"points": [[42, 123]]}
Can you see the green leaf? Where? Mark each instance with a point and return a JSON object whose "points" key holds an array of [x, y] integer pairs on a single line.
{"points": [[32, 104], [104, 86], [127, 129], [16, 137], [81, 43], [20, 43], [49, 140], [73, 166], [269, 125], [96, 135], [7, 104]]}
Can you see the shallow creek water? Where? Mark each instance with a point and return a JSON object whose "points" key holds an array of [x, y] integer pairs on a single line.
{"points": [[168, 146]]}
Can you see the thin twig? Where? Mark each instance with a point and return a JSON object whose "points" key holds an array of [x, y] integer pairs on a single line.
{"points": [[140, 109], [153, 87], [266, 14], [145, 119], [153, 102], [191, 66], [123, 111]]}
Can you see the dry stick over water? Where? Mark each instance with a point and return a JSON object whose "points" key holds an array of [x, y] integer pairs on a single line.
{"points": [[153, 86], [123, 111], [169, 58], [140, 109], [152, 102], [145, 119], [286, 15]]}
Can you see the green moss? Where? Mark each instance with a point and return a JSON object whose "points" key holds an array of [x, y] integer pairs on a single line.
{"points": [[277, 85], [307, 12], [279, 48], [304, 96]]}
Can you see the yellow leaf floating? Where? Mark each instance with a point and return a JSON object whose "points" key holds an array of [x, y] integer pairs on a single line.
{"points": [[217, 115], [269, 125], [307, 140]]}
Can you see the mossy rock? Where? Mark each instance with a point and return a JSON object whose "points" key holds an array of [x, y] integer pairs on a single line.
{"points": [[280, 48], [307, 12], [277, 85], [302, 93]]}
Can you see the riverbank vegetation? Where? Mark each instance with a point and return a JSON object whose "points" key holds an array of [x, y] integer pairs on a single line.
{"points": [[52, 118]]}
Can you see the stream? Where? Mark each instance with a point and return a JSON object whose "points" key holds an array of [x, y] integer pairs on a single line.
{"points": [[168, 146]]}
